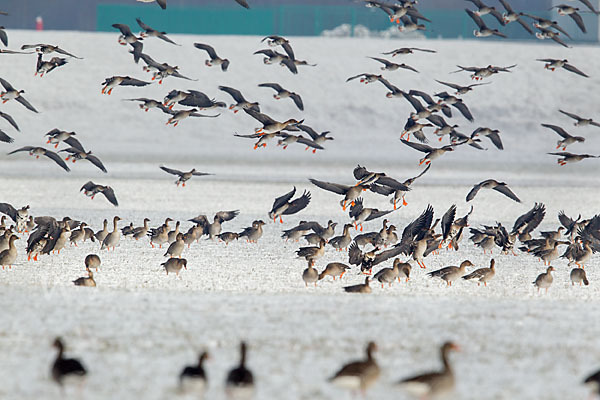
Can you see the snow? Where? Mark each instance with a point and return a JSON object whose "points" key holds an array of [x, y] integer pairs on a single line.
{"points": [[138, 328]]}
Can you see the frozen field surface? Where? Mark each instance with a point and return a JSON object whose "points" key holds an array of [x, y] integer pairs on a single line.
{"points": [[138, 328]]}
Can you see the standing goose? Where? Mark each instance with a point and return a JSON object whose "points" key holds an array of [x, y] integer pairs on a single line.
{"points": [[483, 274], [112, 239], [389, 275], [342, 242], [452, 273], [358, 375], [192, 378], [283, 206], [312, 253], [577, 275], [334, 270], [174, 265], [172, 235], [310, 274], [214, 58], [100, 235], [10, 93], [254, 232], [544, 280], [240, 381], [360, 288], [90, 189], [40, 151], [87, 281], [579, 121], [176, 248], [65, 367], [284, 94], [9, 256], [434, 383], [183, 176], [19, 216], [240, 102], [92, 261]]}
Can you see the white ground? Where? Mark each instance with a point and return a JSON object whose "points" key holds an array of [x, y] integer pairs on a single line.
{"points": [[138, 328]]}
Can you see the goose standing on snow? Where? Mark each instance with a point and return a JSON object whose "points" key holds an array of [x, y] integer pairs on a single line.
{"points": [[310, 274], [9, 256], [358, 375], [360, 288], [112, 239], [240, 381], [434, 383], [577, 275], [334, 270], [192, 378], [92, 261], [175, 265], [544, 280], [482, 274], [452, 273], [65, 367]]}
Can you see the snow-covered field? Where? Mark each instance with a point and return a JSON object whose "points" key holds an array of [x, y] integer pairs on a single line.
{"points": [[138, 328]]}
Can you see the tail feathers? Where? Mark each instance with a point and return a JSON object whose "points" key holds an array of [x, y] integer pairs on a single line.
{"points": [[585, 281]]}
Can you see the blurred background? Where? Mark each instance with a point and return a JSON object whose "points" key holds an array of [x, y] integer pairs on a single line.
{"points": [[283, 17]]}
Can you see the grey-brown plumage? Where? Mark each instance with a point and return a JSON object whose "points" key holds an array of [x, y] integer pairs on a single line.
{"points": [[37, 152], [350, 193], [9, 256], [334, 270], [451, 273], [544, 280], [358, 375], [482, 275], [240, 380], [553, 64], [492, 184], [310, 274], [579, 121], [183, 176], [254, 232], [565, 157], [92, 261], [112, 82], [433, 384], [389, 275], [284, 205], [174, 265], [90, 189], [360, 288], [214, 58], [578, 275], [284, 94], [11, 93], [87, 281]]}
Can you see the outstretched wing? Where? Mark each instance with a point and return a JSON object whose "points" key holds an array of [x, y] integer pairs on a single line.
{"points": [[171, 171], [10, 120], [471, 195], [298, 204], [96, 161], [562, 133], [507, 192], [22, 100], [573, 69], [418, 146], [209, 49], [109, 193], [57, 159], [331, 187]]}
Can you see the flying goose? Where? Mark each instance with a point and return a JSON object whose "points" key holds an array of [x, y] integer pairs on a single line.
{"points": [[161, 3], [11, 93], [492, 184], [492, 134], [580, 121], [566, 157], [77, 152], [40, 151], [149, 32], [183, 176], [564, 9], [42, 48], [274, 41], [390, 66], [407, 50], [567, 138], [483, 9], [240, 101], [179, 115], [430, 152], [283, 206], [110, 83], [44, 67], [553, 64], [19, 216], [483, 30], [350, 193], [269, 125], [90, 189], [214, 58], [511, 16], [284, 94]]}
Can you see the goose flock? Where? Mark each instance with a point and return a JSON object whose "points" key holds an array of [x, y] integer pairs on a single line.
{"points": [[367, 261]]}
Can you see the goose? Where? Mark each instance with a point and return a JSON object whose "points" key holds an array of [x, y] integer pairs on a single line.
{"points": [[578, 275], [451, 273], [240, 380], [341, 243], [86, 281], [482, 274], [389, 275], [174, 265], [492, 134], [334, 270], [460, 90], [9, 256], [254, 232], [270, 125], [37, 152], [407, 50], [240, 102], [126, 37], [176, 248], [183, 176], [362, 214], [65, 367], [492, 184], [150, 32], [178, 116], [172, 235], [483, 30], [10, 93], [566, 157], [228, 237], [214, 58], [18, 216], [436, 383], [100, 235], [358, 375], [112, 82], [512, 16], [567, 138], [192, 378], [284, 94], [44, 67], [92, 261], [312, 253], [553, 64], [430, 152], [390, 66], [360, 288], [544, 280], [112, 239], [283, 206], [310, 274], [579, 121], [350, 193], [564, 9], [42, 48], [141, 231], [90, 189]]}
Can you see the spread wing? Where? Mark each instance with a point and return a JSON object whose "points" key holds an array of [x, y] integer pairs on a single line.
{"points": [[57, 159], [564, 134], [275, 86], [418, 146], [573, 69], [5, 138], [331, 187], [574, 116], [260, 117], [579, 21], [476, 18], [236, 94], [109, 193], [171, 171], [22, 100], [507, 192], [464, 110], [471, 195], [297, 100], [96, 161], [125, 30], [209, 49], [142, 25], [9, 210], [227, 215], [280, 201], [447, 221], [495, 138], [71, 141], [298, 204], [129, 81]]}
